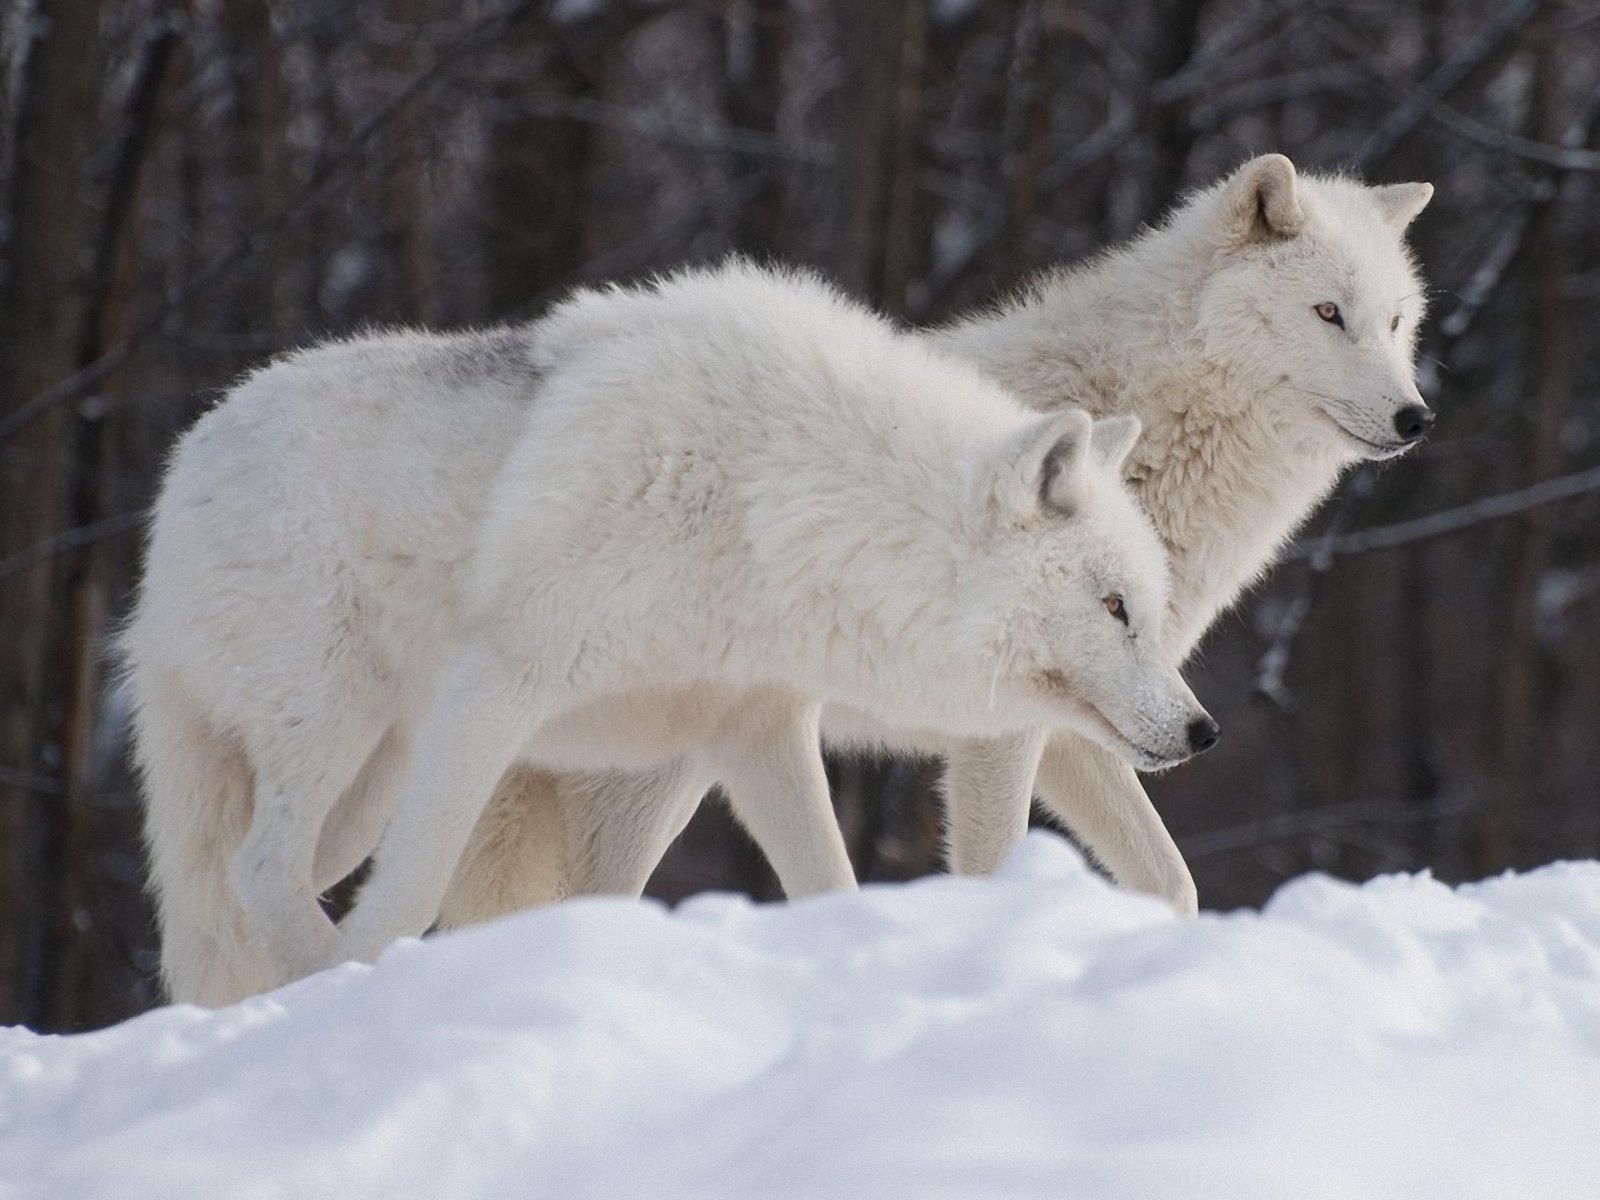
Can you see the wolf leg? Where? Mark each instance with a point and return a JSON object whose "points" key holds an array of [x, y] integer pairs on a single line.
{"points": [[988, 784], [546, 836], [481, 717], [299, 778], [769, 759], [1100, 799], [517, 857], [352, 829], [622, 823]]}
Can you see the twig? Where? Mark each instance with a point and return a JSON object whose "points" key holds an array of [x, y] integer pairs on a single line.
{"points": [[1228, 55], [1485, 279], [1324, 79], [259, 240], [1450, 520], [628, 257], [69, 539], [1414, 108], [1274, 664], [28, 781], [1322, 821], [658, 127], [1514, 229], [1560, 157], [1273, 668]]}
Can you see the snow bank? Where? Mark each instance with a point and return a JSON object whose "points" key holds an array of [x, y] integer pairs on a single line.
{"points": [[1038, 1034]]}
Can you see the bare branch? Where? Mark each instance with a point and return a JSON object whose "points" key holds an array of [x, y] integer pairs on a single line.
{"points": [[321, 185], [28, 781], [1324, 79], [1473, 54], [1513, 230], [1274, 664], [1561, 158], [1450, 520], [661, 129], [67, 540], [1273, 668], [1330, 820], [1485, 279]]}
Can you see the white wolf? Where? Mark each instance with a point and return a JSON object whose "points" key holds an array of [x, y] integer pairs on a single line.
{"points": [[658, 529], [1264, 335]]}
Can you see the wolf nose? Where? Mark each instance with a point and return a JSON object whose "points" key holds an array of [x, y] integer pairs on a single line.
{"points": [[1203, 734], [1413, 421]]}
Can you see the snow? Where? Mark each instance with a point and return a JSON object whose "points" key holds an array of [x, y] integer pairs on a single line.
{"points": [[1039, 1034]]}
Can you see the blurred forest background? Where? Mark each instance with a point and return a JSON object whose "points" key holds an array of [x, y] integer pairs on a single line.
{"points": [[187, 188]]}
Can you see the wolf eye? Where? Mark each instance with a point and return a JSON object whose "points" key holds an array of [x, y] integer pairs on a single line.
{"points": [[1329, 312], [1116, 608], [1394, 324]]}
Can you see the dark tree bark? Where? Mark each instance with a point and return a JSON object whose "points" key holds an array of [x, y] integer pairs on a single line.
{"points": [[752, 51], [1514, 730], [538, 171], [45, 311], [882, 47]]}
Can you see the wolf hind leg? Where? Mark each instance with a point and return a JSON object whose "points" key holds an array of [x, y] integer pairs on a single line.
{"points": [[299, 781], [517, 856], [622, 823], [353, 827]]}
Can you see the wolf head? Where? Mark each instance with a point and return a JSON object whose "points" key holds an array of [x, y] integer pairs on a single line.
{"points": [[1312, 292], [1083, 644]]}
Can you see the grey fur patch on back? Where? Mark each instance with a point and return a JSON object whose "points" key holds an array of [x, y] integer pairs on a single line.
{"points": [[503, 354]]}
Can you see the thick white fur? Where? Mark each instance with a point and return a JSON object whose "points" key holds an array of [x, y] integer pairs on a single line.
{"points": [[1252, 406], [651, 534]]}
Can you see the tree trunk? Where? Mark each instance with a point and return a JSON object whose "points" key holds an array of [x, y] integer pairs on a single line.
{"points": [[883, 48], [1511, 739], [538, 168], [44, 310], [752, 56]]}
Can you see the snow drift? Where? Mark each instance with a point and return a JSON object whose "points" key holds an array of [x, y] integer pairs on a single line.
{"points": [[1035, 1035]]}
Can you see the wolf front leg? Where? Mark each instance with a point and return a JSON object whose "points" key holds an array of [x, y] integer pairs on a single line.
{"points": [[769, 758], [481, 716], [1101, 800], [988, 786]]}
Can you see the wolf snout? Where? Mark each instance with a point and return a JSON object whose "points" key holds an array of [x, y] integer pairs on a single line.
{"points": [[1203, 734], [1413, 422]]}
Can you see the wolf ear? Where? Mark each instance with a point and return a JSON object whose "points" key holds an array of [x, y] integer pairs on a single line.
{"points": [[1113, 438], [1043, 465], [1401, 202], [1261, 202]]}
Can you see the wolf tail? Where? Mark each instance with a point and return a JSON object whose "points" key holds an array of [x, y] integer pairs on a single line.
{"points": [[198, 791]]}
